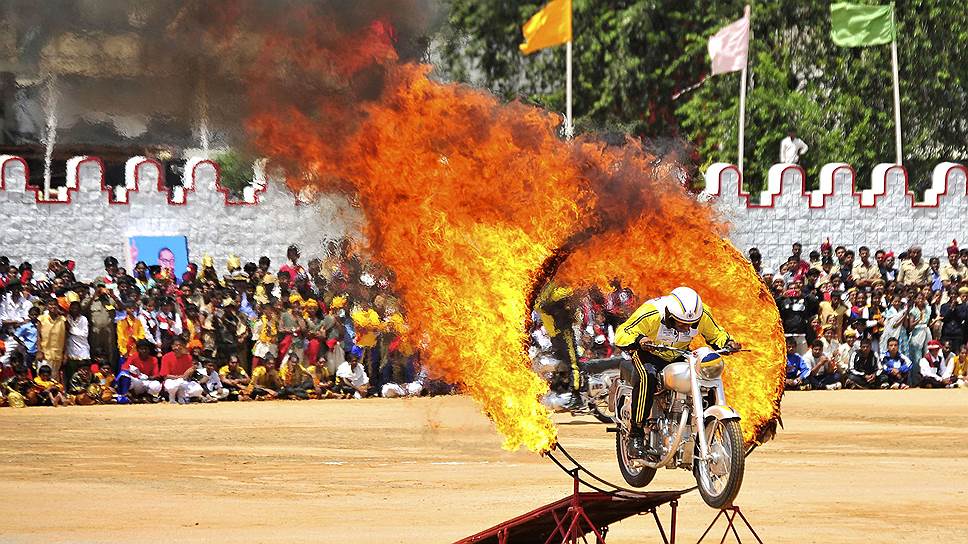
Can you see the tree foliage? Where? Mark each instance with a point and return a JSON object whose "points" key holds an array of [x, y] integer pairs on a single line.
{"points": [[641, 66]]}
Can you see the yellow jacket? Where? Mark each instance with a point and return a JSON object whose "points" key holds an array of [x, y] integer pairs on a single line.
{"points": [[646, 321]]}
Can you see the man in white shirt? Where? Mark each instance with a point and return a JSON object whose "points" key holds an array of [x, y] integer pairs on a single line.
{"points": [[936, 372], [350, 376], [791, 148]]}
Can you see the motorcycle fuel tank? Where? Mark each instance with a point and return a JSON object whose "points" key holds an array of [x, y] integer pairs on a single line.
{"points": [[675, 376]]}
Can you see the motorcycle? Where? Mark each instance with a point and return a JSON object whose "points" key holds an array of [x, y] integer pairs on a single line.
{"points": [[693, 429], [597, 377]]}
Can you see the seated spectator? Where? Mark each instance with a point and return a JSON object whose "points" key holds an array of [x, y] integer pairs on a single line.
{"points": [[104, 377], [935, 371], [829, 341], [234, 378], [50, 392], [20, 388], [297, 382], [139, 374], [351, 378], [845, 352], [179, 372], [797, 370], [322, 381], [824, 373], [896, 365], [961, 366], [211, 383], [411, 389], [82, 388], [865, 369], [265, 382]]}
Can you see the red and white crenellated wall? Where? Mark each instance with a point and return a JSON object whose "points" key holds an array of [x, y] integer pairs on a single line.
{"points": [[87, 220], [889, 215]]}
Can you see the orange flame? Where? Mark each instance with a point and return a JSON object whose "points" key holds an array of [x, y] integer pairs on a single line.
{"points": [[467, 199]]}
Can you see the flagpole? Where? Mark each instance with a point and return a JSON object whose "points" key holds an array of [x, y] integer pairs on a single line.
{"points": [[742, 96], [569, 127], [897, 101]]}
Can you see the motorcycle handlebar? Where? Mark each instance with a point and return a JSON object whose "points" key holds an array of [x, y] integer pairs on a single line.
{"points": [[689, 352]]}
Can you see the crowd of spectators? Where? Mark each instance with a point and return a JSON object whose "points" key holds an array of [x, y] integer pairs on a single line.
{"points": [[872, 319], [330, 329]]}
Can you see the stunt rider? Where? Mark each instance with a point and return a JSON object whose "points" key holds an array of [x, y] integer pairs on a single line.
{"points": [[673, 320], [556, 307]]}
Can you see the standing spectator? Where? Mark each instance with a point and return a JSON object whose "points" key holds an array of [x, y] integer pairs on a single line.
{"points": [[129, 330], [801, 265], [797, 310], [169, 323], [914, 271], [895, 317], [888, 272], [865, 272], [78, 350], [934, 275], [847, 269], [897, 366], [28, 335], [791, 148], [102, 308], [919, 334], [953, 271], [52, 327], [797, 370], [954, 315], [833, 313], [292, 267], [756, 259], [936, 372]]}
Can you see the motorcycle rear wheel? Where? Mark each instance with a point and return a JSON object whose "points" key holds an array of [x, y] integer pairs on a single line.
{"points": [[720, 478], [636, 477]]}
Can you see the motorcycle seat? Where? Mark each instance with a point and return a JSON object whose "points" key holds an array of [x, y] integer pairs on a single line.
{"points": [[596, 366]]}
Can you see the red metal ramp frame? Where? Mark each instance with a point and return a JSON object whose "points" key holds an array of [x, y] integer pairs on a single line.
{"points": [[571, 518]]}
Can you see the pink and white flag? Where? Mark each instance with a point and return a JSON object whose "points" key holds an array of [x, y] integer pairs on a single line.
{"points": [[729, 47]]}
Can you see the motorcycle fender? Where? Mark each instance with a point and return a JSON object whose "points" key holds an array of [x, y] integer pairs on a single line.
{"points": [[720, 412]]}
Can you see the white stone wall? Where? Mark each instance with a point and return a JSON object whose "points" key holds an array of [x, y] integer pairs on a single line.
{"points": [[887, 216], [82, 224]]}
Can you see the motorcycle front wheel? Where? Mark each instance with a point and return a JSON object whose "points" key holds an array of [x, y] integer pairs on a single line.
{"points": [[721, 476]]}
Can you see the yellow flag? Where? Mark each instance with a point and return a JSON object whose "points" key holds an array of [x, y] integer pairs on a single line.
{"points": [[549, 27]]}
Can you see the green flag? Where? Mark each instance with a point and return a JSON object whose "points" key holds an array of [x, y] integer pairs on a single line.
{"points": [[853, 25]]}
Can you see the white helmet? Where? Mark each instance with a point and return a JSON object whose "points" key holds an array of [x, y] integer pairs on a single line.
{"points": [[685, 305]]}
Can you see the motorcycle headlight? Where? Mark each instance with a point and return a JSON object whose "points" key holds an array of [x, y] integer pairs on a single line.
{"points": [[711, 370]]}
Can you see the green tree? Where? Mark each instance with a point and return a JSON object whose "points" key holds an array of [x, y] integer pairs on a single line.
{"points": [[641, 66]]}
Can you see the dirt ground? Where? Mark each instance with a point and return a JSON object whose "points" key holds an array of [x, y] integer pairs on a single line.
{"points": [[850, 466]]}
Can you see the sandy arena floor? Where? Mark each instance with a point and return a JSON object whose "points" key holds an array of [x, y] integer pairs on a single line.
{"points": [[882, 466]]}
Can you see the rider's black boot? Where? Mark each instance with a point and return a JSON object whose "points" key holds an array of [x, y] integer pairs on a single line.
{"points": [[637, 445]]}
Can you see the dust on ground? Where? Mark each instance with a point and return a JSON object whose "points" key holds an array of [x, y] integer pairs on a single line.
{"points": [[849, 466]]}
